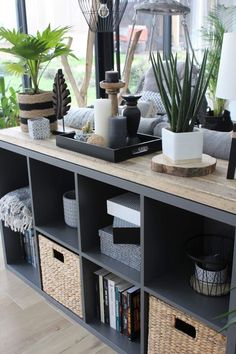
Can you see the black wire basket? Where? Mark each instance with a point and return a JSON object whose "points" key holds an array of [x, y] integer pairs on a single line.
{"points": [[103, 15], [212, 262]]}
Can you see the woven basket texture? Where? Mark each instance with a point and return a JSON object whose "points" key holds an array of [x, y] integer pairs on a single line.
{"points": [[164, 338], [61, 279]]}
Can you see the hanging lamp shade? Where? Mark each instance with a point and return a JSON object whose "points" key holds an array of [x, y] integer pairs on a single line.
{"points": [[160, 7], [103, 15]]}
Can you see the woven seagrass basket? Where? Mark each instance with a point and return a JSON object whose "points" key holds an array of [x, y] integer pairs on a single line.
{"points": [[35, 106], [173, 332], [60, 270]]}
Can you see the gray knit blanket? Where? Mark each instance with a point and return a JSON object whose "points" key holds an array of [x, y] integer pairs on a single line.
{"points": [[16, 210]]}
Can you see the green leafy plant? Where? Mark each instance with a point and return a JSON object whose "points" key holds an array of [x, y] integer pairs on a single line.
{"points": [[219, 20], [34, 52], [182, 100], [231, 321], [9, 109]]}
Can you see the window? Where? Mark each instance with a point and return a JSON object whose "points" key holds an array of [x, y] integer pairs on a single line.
{"points": [[8, 7]]}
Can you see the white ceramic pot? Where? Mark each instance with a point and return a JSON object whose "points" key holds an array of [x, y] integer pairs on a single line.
{"points": [[182, 147]]}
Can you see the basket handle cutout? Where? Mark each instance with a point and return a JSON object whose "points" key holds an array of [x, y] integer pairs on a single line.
{"points": [[185, 328], [58, 255]]}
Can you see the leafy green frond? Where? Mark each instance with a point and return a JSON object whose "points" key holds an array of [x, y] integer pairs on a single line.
{"points": [[219, 20], [12, 36], [16, 68], [33, 51]]}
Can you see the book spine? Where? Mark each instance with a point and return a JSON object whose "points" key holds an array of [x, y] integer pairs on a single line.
{"points": [[26, 246], [124, 313], [135, 319], [22, 245], [106, 301], [112, 304], [129, 314], [101, 297], [96, 278], [117, 296], [33, 249], [120, 312]]}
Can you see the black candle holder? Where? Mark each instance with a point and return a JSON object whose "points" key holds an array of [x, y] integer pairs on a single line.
{"points": [[133, 114]]}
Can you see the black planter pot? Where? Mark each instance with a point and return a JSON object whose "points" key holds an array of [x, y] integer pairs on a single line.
{"points": [[221, 123], [132, 112]]}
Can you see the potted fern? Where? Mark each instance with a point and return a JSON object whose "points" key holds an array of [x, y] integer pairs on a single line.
{"points": [[34, 54], [182, 102], [219, 20]]}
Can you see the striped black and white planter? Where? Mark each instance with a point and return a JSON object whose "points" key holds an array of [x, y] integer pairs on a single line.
{"points": [[34, 106]]}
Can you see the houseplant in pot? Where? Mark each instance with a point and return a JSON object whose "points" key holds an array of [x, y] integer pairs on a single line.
{"points": [[181, 142], [34, 53], [219, 20]]}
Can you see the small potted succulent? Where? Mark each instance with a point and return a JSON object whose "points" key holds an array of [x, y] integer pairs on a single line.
{"points": [[182, 102], [219, 20], [34, 53]]}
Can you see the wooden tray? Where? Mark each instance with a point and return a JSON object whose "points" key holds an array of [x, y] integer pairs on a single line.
{"points": [[189, 169], [148, 145]]}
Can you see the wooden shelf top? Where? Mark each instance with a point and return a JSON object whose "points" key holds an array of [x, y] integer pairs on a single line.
{"points": [[212, 190]]}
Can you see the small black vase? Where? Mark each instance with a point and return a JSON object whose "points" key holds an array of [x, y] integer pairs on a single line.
{"points": [[132, 112], [221, 123]]}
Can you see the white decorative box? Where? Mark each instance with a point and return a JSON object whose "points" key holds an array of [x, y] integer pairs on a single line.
{"points": [[39, 128], [126, 207]]}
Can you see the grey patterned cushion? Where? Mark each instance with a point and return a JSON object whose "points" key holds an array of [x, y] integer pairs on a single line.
{"points": [[78, 117], [156, 98]]}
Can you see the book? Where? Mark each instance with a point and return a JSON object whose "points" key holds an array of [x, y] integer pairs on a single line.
{"points": [[106, 298], [133, 313], [97, 304], [125, 232], [112, 281], [124, 313], [119, 288], [126, 207], [100, 273]]}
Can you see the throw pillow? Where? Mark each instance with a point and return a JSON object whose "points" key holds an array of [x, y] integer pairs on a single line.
{"points": [[156, 98], [78, 117]]}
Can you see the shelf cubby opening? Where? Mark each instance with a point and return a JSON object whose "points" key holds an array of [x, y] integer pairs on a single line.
{"points": [[16, 258], [167, 269], [15, 171], [111, 336], [49, 183]]}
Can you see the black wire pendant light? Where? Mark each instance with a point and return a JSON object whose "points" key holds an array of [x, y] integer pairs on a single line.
{"points": [[103, 15]]}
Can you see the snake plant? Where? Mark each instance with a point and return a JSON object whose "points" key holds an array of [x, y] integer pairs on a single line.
{"points": [[182, 100], [34, 53]]}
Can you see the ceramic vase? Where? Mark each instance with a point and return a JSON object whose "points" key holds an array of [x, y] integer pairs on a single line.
{"points": [[132, 112]]}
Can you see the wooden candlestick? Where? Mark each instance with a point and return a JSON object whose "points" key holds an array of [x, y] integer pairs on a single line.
{"points": [[112, 89]]}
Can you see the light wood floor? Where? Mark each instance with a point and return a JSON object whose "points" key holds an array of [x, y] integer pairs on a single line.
{"points": [[29, 325]]}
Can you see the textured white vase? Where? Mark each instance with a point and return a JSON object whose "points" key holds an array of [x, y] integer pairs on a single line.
{"points": [[182, 147]]}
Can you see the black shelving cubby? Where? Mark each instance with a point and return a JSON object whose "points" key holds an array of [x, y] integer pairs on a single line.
{"points": [[48, 184]]}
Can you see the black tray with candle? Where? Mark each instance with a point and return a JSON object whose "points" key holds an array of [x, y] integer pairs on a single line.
{"points": [[147, 145]]}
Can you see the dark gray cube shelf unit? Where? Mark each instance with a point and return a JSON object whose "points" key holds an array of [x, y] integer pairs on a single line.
{"points": [[167, 222]]}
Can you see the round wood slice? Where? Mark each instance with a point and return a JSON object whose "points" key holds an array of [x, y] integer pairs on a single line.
{"points": [[189, 169]]}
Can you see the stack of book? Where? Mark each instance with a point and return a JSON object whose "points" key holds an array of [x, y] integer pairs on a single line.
{"points": [[121, 240], [27, 240], [118, 303]]}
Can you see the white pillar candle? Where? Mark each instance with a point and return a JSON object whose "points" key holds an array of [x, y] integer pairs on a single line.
{"points": [[102, 111]]}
